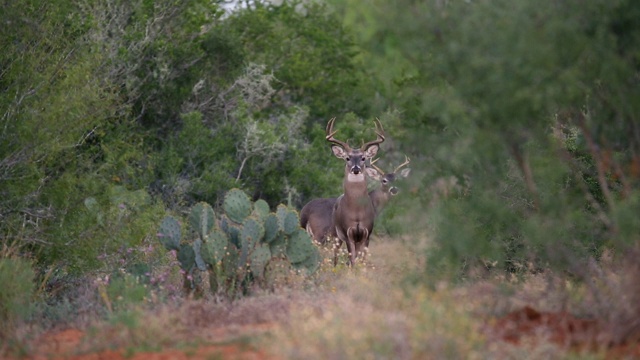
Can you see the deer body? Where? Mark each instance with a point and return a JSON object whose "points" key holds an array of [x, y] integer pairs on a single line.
{"points": [[317, 215], [353, 215], [353, 212]]}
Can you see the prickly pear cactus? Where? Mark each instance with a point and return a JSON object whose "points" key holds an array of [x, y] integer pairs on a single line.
{"points": [[287, 219], [237, 205], [197, 249], [261, 208], [232, 230], [300, 247], [271, 228], [291, 222], [279, 245], [215, 249], [169, 233], [245, 243], [186, 257], [259, 258], [310, 264], [202, 219], [252, 232]]}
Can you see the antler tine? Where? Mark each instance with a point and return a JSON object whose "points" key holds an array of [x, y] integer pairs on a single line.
{"points": [[379, 132], [330, 132], [375, 167], [406, 162]]}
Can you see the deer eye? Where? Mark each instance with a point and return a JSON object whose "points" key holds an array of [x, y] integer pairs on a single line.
{"points": [[363, 159], [384, 181], [348, 158]]}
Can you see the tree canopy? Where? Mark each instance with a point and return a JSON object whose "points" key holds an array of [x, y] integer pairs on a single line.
{"points": [[521, 119]]}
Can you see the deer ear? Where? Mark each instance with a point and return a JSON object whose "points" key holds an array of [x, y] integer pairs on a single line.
{"points": [[373, 173], [371, 151], [405, 172], [339, 152]]}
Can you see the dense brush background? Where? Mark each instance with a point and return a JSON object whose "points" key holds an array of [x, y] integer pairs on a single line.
{"points": [[521, 119]]}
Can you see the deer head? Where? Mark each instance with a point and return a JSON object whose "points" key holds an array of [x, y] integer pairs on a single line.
{"points": [[381, 195], [355, 157]]}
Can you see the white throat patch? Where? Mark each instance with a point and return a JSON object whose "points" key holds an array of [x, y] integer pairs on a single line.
{"points": [[355, 178]]}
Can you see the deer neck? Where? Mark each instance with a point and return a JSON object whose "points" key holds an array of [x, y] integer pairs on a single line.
{"points": [[379, 198], [355, 185]]}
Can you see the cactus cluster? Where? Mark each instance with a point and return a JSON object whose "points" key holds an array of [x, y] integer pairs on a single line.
{"points": [[242, 244]]}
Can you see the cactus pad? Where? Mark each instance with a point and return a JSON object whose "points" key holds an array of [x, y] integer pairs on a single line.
{"points": [[281, 213], [237, 205], [215, 249], [202, 219], [259, 258], [169, 233], [231, 230], [287, 219], [197, 249], [271, 228], [252, 232], [279, 245], [300, 246], [186, 257], [261, 208], [291, 222], [310, 264]]}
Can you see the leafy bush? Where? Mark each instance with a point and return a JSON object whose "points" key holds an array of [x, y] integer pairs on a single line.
{"points": [[524, 125]]}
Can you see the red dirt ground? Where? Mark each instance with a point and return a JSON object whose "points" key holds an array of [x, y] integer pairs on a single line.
{"points": [[64, 345], [562, 329], [526, 323]]}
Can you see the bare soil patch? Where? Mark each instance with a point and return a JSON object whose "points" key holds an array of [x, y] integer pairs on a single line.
{"points": [[561, 328], [65, 344]]}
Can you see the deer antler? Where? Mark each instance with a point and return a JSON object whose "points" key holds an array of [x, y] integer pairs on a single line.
{"points": [[330, 132], [379, 132], [406, 162], [375, 167]]}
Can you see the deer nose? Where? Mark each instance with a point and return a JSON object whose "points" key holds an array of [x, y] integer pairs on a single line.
{"points": [[356, 170], [393, 190]]}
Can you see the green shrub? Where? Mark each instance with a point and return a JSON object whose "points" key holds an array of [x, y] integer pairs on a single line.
{"points": [[16, 289]]}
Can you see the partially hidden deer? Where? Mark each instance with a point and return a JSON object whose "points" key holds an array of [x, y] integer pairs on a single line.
{"points": [[353, 211], [317, 215]]}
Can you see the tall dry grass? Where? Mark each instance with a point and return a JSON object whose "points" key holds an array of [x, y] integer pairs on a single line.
{"points": [[369, 313]]}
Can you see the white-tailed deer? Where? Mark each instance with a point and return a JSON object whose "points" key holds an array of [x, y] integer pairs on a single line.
{"points": [[317, 215], [381, 196], [353, 211]]}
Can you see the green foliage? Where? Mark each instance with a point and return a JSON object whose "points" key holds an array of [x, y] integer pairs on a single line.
{"points": [[126, 291], [523, 123], [237, 253], [319, 69], [17, 279]]}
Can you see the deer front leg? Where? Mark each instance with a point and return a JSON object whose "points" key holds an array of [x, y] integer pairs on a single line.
{"points": [[336, 249], [351, 246], [361, 250]]}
